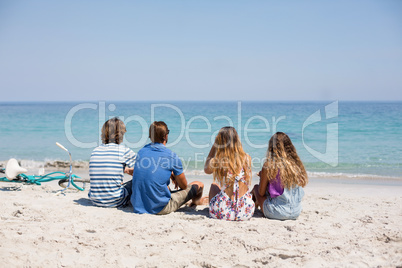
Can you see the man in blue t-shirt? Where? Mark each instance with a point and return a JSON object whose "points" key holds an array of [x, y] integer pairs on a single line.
{"points": [[155, 166]]}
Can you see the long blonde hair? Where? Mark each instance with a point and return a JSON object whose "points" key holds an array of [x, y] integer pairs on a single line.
{"points": [[282, 155], [229, 157]]}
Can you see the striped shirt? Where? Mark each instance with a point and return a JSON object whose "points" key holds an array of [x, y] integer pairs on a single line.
{"points": [[106, 168]]}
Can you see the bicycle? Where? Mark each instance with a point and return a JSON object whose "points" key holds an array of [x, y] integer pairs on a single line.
{"points": [[66, 180]]}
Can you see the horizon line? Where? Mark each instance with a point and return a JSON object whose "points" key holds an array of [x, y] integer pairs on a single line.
{"points": [[226, 101]]}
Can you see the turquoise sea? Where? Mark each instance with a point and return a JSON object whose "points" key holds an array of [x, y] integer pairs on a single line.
{"points": [[332, 138]]}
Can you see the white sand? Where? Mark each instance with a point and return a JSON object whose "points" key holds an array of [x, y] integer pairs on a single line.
{"points": [[342, 225]]}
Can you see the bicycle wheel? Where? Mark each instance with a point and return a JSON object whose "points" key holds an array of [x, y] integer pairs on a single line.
{"points": [[78, 183]]}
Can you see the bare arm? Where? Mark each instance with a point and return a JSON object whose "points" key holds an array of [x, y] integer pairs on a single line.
{"points": [[248, 167], [207, 166], [181, 181], [263, 180], [176, 186]]}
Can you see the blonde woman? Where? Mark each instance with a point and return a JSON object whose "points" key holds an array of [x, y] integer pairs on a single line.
{"points": [[281, 180], [231, 167]]}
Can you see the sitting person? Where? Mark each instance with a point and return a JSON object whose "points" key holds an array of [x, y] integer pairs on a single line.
{"points": [[230, 200], [281, 180], [154, 167], [106, 166]]}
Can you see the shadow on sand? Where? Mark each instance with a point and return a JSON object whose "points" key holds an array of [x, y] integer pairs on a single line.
{"points": [[84, 202]]}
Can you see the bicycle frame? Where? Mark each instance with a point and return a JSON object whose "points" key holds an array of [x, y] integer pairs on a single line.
{"points": [[36, 179], [70, 173]]}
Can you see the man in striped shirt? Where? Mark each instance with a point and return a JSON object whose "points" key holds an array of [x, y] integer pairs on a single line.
{"points": [[107, 165]]}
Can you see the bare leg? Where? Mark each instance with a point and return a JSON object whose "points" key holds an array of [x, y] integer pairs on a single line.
{"points": [[259, 199], [198, 199], [214, 190]]}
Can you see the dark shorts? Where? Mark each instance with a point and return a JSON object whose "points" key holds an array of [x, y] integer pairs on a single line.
{"points": [[128, 186], [179, 198]]}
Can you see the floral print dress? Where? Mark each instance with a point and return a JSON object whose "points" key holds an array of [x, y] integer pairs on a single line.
{"points": [[239, 209]]}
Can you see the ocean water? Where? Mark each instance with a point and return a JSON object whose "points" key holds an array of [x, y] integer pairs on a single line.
{"points": [[332, 138]]}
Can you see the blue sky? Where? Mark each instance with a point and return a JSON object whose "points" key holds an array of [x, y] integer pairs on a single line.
{"points": [[200, 50]]}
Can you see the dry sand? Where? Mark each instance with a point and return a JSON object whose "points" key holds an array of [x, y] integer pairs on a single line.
{"points": [[343, 224]]}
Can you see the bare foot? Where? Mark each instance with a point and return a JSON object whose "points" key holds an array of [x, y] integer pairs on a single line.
{"points": [[203, 201]]}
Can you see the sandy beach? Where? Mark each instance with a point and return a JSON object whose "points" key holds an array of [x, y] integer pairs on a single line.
{"points": [[343, 224], [285, 88]]}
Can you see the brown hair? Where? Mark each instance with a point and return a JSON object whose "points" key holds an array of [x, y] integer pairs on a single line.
{"points": [[282, 155], [113, 131], [229, 157], [158, 131]]}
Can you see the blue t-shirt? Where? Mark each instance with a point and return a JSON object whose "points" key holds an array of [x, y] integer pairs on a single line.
{"points": [[153, 167]]}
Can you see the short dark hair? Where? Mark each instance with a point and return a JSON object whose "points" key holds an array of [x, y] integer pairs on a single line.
{"points": [[113, 131], [158, 131]]}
